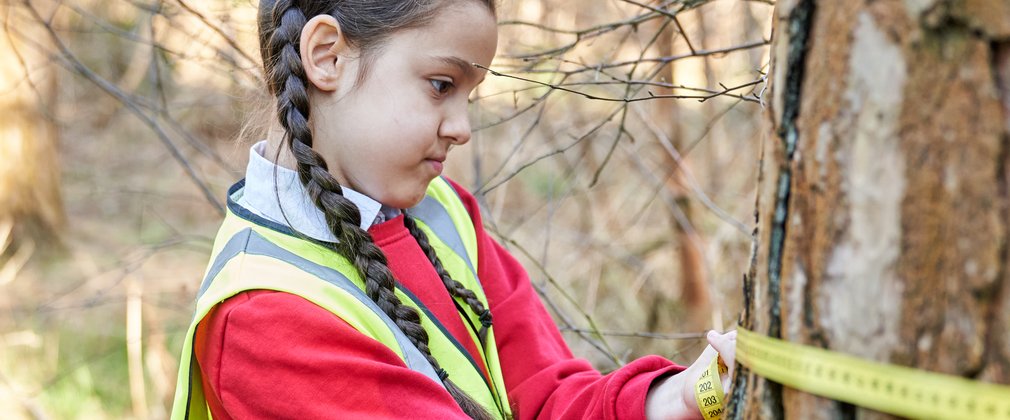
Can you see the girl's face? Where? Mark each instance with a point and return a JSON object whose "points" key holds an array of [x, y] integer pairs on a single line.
{"points": [[388, 135]]}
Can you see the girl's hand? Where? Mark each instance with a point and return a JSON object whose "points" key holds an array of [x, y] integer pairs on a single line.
{"points": [[673, 398]]}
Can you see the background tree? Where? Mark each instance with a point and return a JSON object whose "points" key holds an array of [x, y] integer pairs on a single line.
{"points": [[32, 212], [883, 209]]}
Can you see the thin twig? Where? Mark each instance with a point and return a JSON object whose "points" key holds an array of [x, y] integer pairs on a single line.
{"points": [[217, 29], [563, 149], [649, 335], [80, 68], [684, 34], [580, 35], [692, 182], [604, 347], [563, 88], [624, 113], [666, 59]]}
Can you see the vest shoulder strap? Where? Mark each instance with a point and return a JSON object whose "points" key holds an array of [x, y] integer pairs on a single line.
{"points": [[443, 212]]}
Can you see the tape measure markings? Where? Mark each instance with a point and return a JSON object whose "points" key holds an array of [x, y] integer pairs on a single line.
{"points": [[888, 388], [708, 391]]}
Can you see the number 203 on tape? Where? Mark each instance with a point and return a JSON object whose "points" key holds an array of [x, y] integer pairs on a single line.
{"points": [[708, 391]]}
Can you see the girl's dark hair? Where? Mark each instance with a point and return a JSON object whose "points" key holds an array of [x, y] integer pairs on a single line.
{"points": [[365, 24]]}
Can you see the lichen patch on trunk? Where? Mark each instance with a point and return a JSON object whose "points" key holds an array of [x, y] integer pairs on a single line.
{"points": [[895, 246]]}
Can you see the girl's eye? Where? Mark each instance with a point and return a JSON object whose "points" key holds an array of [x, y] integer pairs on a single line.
{"points": [[441, 86]]}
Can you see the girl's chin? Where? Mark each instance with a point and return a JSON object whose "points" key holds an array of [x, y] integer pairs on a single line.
{"points": [[406, 199], [436, 166]]}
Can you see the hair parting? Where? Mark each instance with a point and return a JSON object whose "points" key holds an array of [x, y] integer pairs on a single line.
{"points": [[365, 24]]}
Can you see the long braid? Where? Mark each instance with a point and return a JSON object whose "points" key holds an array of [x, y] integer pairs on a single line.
{"points": [[286, 79], [455, 288]]}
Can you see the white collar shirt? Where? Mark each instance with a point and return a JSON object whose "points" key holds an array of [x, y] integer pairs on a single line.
{"points": [[290, 204]]}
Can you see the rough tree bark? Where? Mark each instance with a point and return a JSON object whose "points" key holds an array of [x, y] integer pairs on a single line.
{"points": [[883, 207]]}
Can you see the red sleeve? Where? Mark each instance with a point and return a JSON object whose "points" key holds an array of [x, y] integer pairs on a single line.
{"points": [[542, 377], [275, 355]]}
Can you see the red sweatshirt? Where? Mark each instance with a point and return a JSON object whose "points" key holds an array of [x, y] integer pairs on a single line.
{"points": [[267, 354]]}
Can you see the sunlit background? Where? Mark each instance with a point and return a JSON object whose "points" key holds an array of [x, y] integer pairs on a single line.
{"points": [[615, 155]]}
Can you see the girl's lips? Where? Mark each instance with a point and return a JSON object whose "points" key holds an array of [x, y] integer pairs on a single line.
{"points": [[436, 165]]}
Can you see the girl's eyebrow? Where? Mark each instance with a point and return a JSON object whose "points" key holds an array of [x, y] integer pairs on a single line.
{"points": [[464, 66]]}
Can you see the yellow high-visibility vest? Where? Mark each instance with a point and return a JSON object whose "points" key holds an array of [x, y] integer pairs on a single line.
{"points": [[251, 254]]}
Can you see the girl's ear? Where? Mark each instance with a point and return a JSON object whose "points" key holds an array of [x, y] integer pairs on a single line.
{"points": [[323, 50]]}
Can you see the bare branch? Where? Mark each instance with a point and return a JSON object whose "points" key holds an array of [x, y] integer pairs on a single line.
{"points": [[562, 88], [661, 60], [74, 63], [217, 29], [649, 335], [597, 340]]}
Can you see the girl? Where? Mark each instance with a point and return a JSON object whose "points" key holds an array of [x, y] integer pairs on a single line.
{"points": [[350, 280]]}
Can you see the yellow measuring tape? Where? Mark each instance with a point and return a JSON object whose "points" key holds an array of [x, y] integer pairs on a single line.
{"points": [[708, 390], [888, 388]]}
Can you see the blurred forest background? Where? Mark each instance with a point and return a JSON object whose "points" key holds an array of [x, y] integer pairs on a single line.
{"points": [[615, 153]]}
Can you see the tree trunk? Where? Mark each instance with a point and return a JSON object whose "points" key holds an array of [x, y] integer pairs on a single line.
{"points": [[883, 208], [30, 206], [689, 252]]}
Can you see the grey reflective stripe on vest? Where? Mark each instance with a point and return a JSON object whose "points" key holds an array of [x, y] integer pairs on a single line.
{"points": [[249, 242], [433, 214]]}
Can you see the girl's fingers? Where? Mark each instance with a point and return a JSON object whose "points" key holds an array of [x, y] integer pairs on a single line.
{"points": [[725, 344]]}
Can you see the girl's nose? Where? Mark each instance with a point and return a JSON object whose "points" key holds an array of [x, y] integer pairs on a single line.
{"points": [[456, 127]]}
